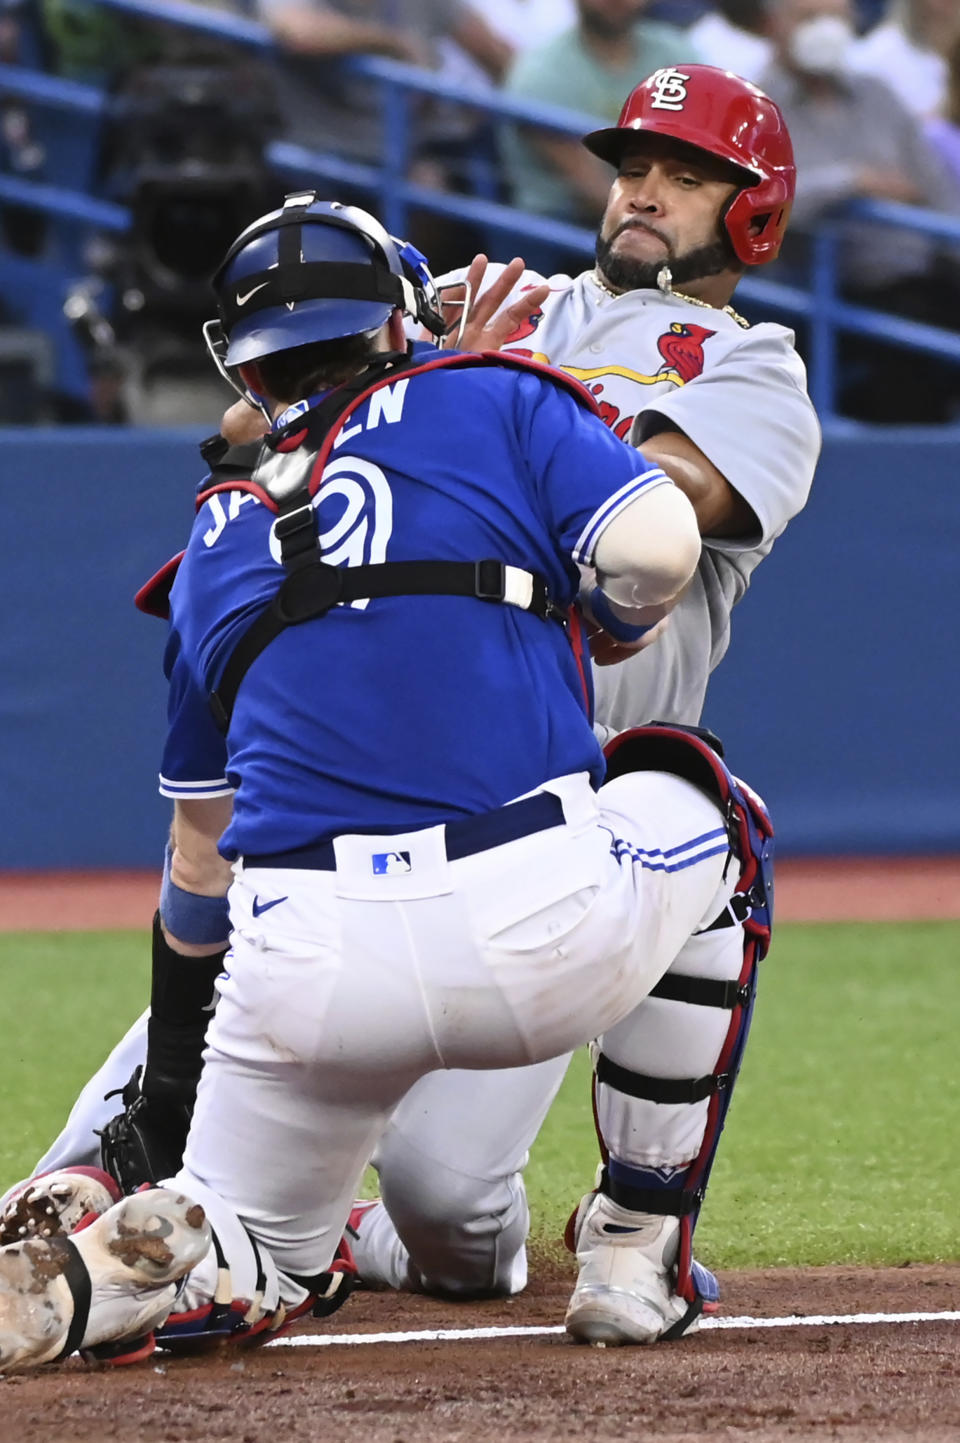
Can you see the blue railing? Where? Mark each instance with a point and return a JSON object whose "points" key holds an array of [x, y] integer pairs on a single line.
{"points": [[819, 305]]}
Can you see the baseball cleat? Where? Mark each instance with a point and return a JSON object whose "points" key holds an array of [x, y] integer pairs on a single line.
{"points": [[56, 1203], [625, 1290], [112, 1282]]}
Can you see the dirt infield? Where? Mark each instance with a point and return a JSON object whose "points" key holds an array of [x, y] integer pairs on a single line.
{"points": [[881, 889], [853, 1382]]}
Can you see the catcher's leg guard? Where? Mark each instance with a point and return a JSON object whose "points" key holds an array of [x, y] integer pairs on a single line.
{"points": [[238, 1296], [664, 1076]]}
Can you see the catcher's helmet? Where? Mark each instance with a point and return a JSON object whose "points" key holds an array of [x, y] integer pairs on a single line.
{"points": [[316, 270], [714, 110]]}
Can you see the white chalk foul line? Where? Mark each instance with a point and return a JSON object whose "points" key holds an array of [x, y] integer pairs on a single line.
{"points": [[472, 1335]]}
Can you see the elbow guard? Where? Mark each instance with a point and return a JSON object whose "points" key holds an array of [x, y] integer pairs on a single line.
{"points": [[650, 551]]}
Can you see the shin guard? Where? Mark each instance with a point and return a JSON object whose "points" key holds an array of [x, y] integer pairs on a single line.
{"points": [[661, 1114]]}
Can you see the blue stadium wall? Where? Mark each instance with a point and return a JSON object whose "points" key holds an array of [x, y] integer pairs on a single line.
{"points": [[839, 698]]}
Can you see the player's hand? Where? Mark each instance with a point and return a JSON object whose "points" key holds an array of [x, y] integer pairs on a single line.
{"points": [[242, 422], [484, 329], [607, 650]]}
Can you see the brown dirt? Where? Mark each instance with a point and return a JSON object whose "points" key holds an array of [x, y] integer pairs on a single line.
{"points": [[812, 889], [855, 1383]]}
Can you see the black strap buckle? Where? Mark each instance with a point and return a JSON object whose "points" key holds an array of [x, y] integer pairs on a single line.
{"points": [[490, 580], [296, 531], [308, 592]]}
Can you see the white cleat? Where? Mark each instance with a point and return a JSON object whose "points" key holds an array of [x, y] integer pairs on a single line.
{"points": [[56, 1203], [111, 1283], [624, 1292]]}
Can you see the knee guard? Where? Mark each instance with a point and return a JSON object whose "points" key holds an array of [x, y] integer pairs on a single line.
{"points": [[695, 755]]}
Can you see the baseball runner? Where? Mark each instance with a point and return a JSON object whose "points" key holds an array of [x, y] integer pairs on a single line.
{"points": [[705, 184], [359, 599]]}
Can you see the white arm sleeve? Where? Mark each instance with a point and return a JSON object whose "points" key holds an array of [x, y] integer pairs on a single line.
{"points": [[650, 550]]}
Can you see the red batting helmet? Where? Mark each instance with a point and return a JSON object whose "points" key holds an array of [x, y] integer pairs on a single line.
{"points": [[714, 110]]}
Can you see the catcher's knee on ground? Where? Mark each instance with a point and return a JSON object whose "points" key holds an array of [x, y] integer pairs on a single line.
{"points": [[441, 1231]]}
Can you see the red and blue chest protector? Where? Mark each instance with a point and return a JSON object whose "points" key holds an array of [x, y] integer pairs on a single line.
{"points": [[400, 711]]}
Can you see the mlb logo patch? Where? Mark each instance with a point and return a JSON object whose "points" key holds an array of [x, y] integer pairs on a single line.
{"points": [[389, 864]]}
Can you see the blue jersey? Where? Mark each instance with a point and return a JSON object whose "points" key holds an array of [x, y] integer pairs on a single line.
{"points": [[401, 712]]}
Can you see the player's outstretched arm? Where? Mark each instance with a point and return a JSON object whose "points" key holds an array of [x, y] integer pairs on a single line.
{"points": [[720, 509]]}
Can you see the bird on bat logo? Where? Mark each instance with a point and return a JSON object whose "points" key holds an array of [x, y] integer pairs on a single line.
{"points": [[527, 327], [682, 349]]}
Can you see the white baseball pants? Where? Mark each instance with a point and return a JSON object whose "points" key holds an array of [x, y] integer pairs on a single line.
{"points": [[361, 982]]}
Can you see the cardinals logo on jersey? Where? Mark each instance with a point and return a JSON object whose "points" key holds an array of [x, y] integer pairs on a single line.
{"points": [[526, 328], [682, 350]]}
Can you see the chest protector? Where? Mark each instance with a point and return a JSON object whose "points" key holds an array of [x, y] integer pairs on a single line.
{"points": [[285, 471]]}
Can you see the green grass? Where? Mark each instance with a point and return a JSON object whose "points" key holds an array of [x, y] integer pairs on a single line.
{"points": [[839, 1146], [67, 998]]}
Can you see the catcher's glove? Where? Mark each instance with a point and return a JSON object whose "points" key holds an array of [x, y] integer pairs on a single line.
{"points": [[145, 1142]]}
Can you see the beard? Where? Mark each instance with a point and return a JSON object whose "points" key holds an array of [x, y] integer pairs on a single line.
{"points": [[624, 273]]}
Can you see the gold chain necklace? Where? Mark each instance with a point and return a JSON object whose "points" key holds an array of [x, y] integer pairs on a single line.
{"points": [[665, 287]]}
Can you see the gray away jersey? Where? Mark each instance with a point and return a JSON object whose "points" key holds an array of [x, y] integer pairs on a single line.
{"points": [[655, 362]]}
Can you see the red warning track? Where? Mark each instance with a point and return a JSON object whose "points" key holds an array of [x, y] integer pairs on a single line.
{"points": [[872, 889]]}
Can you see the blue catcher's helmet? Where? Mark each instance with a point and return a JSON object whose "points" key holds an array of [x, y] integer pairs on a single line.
{"points": [[316, 270]]}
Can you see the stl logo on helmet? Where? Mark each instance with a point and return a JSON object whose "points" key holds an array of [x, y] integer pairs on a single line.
{"points": [[669, 90]]}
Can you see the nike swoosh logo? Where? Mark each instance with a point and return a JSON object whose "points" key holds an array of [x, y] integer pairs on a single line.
{"points": [[242, 300], [260, 907]]}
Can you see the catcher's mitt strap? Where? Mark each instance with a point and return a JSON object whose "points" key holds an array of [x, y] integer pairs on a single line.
{"points": [[78, 1281], [659, 1089], [145, 1142]]}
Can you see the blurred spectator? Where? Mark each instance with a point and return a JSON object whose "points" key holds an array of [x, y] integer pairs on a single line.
{"points": [[93, 44], [678, 12], [326, 109], [102, 46], [735, 35], [943, 132], [853, 138], [21, 154], [526, 23], [520, 24], [908, 51], [588, 68]]}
